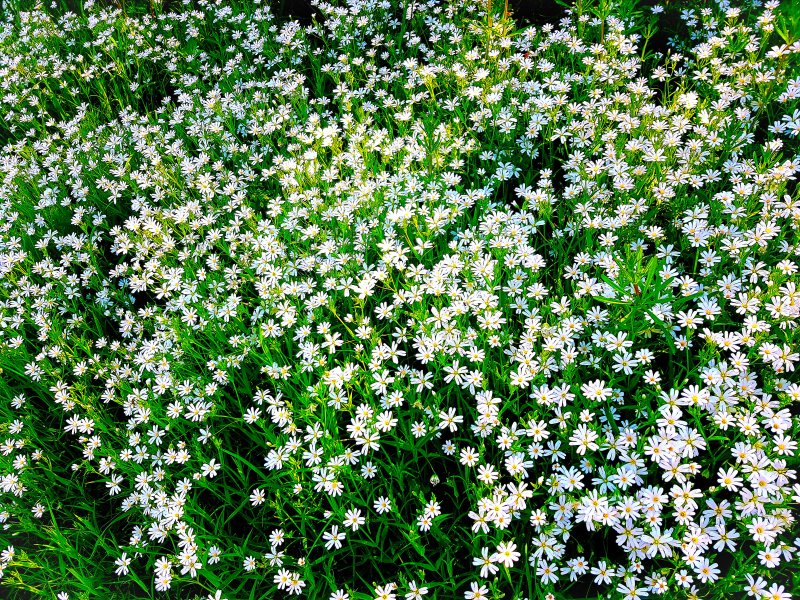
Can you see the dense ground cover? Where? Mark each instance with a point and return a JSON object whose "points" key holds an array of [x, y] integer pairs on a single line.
{"points": [[407, 300]]}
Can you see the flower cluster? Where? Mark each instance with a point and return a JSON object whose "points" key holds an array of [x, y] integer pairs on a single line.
{"points": [[404, 301]]}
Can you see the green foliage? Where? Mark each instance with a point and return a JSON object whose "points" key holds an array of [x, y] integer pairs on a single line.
{"points": [[410, 301]]}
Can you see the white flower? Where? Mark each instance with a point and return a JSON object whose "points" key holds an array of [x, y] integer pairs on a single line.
{"points": [[249, 563], [210, 469], [333, 538], [506, 554], [382, 505], [122, 564], [257, 497]]}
